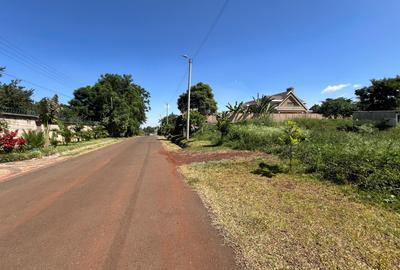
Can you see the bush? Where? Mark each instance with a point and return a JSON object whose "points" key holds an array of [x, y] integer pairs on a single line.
{"points": [[100, 131], [253, 137], [268, 170], [369, 161], [54, 140], [9, 141], [87, 135], [34, 139], [65, 132]]}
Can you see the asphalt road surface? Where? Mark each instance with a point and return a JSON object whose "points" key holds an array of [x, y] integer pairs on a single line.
{"points": [[120, 207]]}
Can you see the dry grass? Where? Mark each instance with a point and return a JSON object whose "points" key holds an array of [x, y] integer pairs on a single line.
{"points": [[294, 222], [169, 146]]}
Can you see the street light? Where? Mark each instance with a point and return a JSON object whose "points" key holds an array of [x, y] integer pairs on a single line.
{"points": [[188, 91]]}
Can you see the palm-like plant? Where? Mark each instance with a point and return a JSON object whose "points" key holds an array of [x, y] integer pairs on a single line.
{"points": [[261, 106], [236, 111]]}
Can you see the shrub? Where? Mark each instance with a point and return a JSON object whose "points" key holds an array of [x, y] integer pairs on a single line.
{"points": [[99, 131], [223, 124], [268, 170], [291, 137], [33, 139], [65, 132], [9, 141], [253, 137], [54, 140], [369, 161], [87, 135], [3, 124]]}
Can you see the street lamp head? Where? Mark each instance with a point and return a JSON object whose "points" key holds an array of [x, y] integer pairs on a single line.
{"points": [[185, 56]]}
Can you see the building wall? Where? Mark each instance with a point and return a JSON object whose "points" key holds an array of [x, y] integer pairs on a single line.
{"points": [[212, 119], [388, 117], [286, 116], [21, 123]]}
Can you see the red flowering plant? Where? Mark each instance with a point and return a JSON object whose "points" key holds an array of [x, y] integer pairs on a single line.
{"points": [[9, 141]]}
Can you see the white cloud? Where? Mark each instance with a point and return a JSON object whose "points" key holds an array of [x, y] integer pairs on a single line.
{"points": [[335, 88], [357, 86]]}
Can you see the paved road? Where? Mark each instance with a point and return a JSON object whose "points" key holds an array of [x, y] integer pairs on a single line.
{"points": [[121, 207]]}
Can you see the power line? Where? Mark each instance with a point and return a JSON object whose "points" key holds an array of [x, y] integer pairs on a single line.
{"points": [[37, 85], [12, 51], [178, 88], [16, 50], [24, 63], [211, 29], [203, 42]]}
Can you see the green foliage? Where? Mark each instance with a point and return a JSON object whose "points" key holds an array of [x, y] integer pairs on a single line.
{"points": [[48, 109], [34, 139], [268, 170], [291, 137], [337, 107], [54, 140], [223, 124], [115, 102], [253, 137], [326, 124], [315, 108], [381, 95], [99, 131], [201, 99], [197, 121], [171, 125], [149, 130], [261, 107], [367, 160], [3, 124], [87, 134], [65, 132], [14, 96]]}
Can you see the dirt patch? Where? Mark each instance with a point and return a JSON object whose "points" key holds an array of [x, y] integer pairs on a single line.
{"points": [[187, 157]]}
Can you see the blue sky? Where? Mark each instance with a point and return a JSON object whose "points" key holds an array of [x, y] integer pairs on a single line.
{"points": [[322, 48]]}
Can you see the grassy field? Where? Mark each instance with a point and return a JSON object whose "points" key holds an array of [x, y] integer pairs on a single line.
{"points": [[334, 150], [70, 149], [293, 221]]}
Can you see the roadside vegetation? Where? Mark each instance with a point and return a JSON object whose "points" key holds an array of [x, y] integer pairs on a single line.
{"points": [[325, 194], [113, 107], [292, 221]]}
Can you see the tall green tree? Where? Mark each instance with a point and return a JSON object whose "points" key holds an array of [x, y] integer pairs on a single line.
{"points": [[380, 95], [48, 109], [316, 108], [337, 107], [15, 96], [201, 99], [114, 101]]}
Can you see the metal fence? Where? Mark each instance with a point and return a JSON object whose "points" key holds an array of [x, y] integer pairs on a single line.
{"points": [[17, 111], [34, 113]]}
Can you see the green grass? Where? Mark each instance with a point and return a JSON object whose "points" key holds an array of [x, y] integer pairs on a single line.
{"points": [[292, 221], [70, 149]]}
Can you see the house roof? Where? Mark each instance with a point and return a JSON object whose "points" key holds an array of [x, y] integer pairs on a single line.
{"points": [[277, 98]]}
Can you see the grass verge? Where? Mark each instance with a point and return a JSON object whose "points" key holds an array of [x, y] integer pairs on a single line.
{"points": [[168, 145], [64, 150], [295, 222]]}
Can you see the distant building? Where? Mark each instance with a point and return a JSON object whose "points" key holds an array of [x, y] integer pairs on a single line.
{"points": [[286, 102], [390, 118]]}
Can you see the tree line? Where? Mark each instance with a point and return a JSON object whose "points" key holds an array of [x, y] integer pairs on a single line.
{"points": [[114, 102], [381, 95]]}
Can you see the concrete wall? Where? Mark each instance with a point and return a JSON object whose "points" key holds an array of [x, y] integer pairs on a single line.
{"points": [[212, 119], [390, 118], [24, 122]]}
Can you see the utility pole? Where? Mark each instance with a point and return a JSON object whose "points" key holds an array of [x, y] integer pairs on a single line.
{"points": [[167, 106], [188, 91]]}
